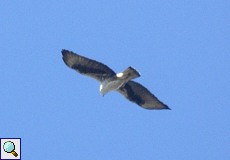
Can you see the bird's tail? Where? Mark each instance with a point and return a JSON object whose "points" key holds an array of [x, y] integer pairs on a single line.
{"points": [[128, 74]]}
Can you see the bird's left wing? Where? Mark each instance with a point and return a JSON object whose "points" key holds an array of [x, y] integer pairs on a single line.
{"points": [[140, 95], [86, 66]]}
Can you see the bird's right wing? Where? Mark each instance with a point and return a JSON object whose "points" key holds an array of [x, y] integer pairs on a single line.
{"points": [[86, 66], [140, 95]]}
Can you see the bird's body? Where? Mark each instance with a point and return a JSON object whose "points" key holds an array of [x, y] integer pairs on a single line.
{"points": [[107, 86], [109, 80], [118, 80]]}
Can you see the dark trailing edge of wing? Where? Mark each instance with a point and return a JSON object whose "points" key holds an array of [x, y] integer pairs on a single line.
{"points": [[86, 70], [140, 95], [132, 96], [86, 66]]}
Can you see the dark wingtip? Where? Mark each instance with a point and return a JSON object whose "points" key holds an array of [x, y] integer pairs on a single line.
{"points": [[64, 51], [66, 56], [166, 107]]}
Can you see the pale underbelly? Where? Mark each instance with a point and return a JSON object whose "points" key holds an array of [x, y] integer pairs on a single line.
{"points": [[113, 85]]}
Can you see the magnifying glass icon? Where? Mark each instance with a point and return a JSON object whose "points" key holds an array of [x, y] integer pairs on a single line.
{"points": [[9, 147]]}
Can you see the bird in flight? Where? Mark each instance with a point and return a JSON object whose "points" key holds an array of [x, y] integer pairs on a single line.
{"points": [[109, 80]]}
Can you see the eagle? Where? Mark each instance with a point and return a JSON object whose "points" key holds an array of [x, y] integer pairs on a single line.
{"points": [[109, 80]]}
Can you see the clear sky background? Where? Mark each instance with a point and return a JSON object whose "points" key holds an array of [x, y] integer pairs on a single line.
{"points": [[181, 48]]}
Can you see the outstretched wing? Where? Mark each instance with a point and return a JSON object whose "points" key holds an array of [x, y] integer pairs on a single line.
{"points": [[86, 66], [140, 95]]}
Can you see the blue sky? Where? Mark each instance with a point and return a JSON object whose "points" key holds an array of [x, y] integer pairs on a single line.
{"points": [[181, 48]]}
